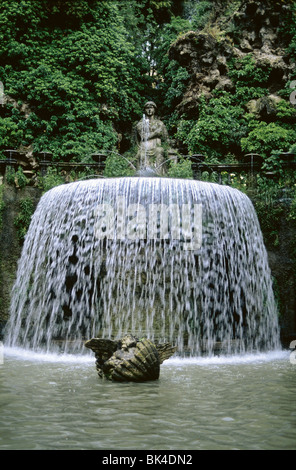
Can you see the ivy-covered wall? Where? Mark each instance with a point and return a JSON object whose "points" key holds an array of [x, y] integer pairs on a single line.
{"points": [[76, 74]]}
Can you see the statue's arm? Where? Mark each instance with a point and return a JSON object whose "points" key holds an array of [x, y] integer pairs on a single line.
{"points": [[159, 132], [165, 134]]}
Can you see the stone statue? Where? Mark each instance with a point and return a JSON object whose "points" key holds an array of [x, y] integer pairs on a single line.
{"points": [[129, 359], [152, 137]]}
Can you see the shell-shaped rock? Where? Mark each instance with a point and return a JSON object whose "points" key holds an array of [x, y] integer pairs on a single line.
{"points": [[165, 351], [101, 346], [129, 359], [136, 364]]}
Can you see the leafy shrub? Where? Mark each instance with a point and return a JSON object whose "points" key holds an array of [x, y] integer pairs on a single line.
{"points": [[16, 178], [181, 169], [246, 71], [117, 166], [264, 138], [10, 133], [77, 67], [51, 179], [2, 206], [23, 219], [217, 130], [199, 13]]}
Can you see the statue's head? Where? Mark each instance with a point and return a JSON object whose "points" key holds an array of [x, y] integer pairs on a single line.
{"points": [[150, 104]]}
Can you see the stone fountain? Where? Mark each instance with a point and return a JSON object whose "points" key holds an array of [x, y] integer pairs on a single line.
{"points": [[170, 260]]}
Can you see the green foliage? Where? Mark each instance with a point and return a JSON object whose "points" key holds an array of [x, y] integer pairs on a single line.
{"points": [[199, 13], [23, 219], [55, 177], [2, 206], [292, 214], [288, 29], [269, 209], [10, 176], [143, 13], [116, 166], [51, 179], [243, 94], [180, 169], [76, 66], [172, 79], [179, 80], [223, 124], [264, 138], [86, 67], [286, 112], [16, 178], [10, 133], [218, 129], [225, 127], [246, 71], [20, 179]]}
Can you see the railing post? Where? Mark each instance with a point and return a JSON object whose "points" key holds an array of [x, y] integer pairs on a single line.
{"points": [[11, 160], [45, 159], [196, 164], [100, 159], [255, 162]]}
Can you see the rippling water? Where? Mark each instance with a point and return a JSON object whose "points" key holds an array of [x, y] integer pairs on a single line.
{"points": [[58, 402]]}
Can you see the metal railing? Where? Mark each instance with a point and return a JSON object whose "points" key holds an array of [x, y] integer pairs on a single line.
{"points": [[250, 166]]}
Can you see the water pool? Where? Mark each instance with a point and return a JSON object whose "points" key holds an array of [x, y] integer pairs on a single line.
{"points": [[59, 403]]}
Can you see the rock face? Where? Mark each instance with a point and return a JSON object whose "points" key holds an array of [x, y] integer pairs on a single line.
{"points": [[254, 27], [129, 359], [25, 157], [205, 58]]}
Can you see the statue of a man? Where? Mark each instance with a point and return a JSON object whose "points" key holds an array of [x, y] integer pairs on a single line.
{"points": [[151, 135]]}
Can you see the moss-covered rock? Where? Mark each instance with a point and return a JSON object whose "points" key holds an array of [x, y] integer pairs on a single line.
{"points": [[129, 359]]}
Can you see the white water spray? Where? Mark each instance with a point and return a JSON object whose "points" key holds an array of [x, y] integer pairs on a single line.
{"points": [[73, 284]]}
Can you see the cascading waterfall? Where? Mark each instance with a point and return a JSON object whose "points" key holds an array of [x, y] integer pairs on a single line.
{"points": [[114, 256]]}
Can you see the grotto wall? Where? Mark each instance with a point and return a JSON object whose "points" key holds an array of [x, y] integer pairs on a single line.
{"points": [[252, 28]]}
